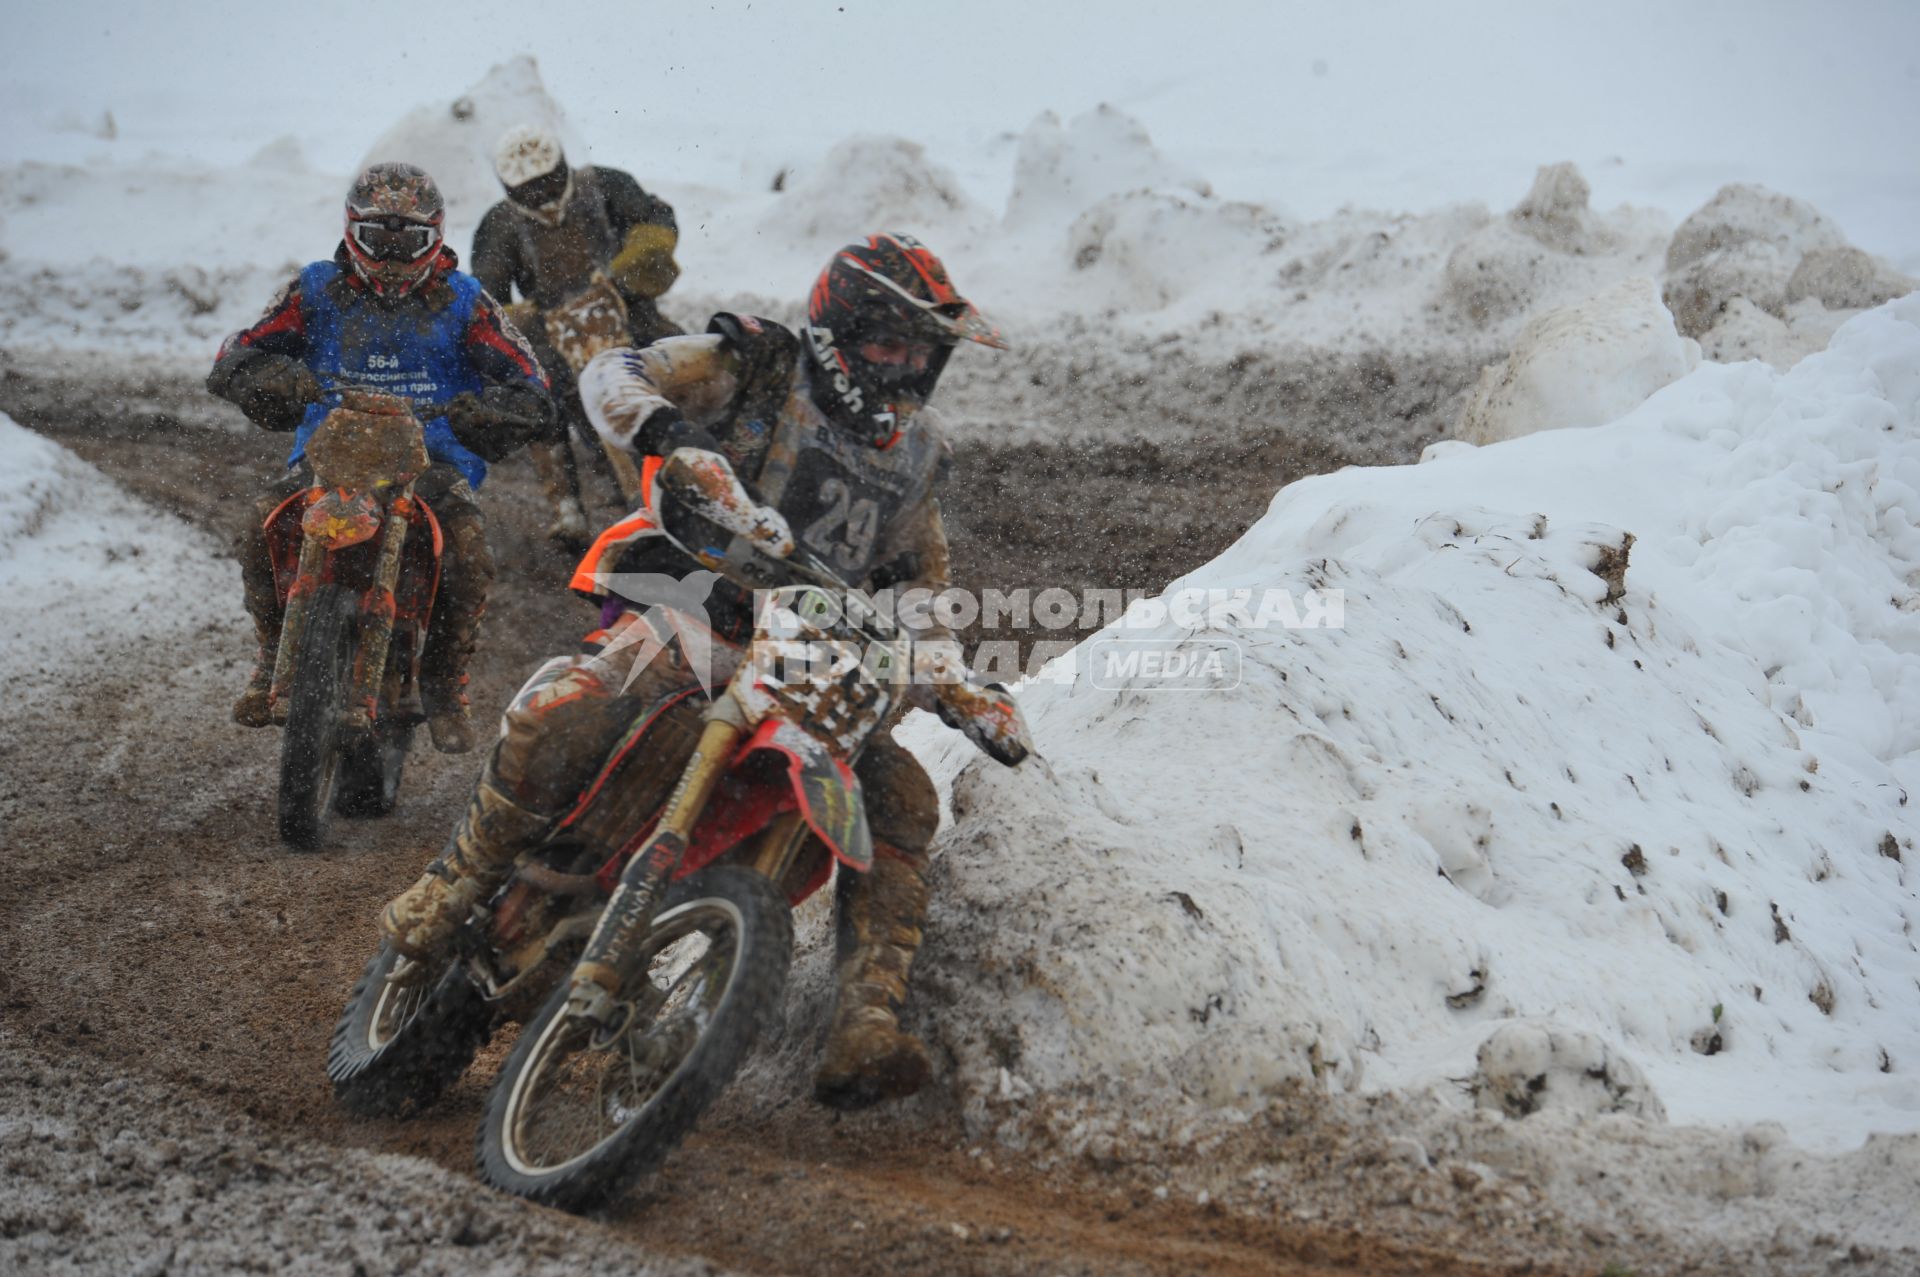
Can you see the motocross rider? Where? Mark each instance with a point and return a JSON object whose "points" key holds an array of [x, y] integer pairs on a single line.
{"points": [[557, 228], [753, 430], [389, 312]]}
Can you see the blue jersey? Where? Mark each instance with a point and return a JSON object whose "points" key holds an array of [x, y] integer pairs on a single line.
{"points": [[444, 339]]}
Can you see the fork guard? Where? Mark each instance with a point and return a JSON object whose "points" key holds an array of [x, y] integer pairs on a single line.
{"points": [[825, 787]]}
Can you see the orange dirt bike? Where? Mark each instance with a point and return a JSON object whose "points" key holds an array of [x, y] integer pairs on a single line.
{"points": [[356, 562], [643, 970]]}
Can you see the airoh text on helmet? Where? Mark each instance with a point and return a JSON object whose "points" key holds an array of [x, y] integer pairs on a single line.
{"points": [[882, 320]]}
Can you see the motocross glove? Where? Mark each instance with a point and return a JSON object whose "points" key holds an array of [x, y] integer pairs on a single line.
{"points": [[499, 420], [644, 266], [702, 483], [273, 390], [987, 715], [287, 379]]}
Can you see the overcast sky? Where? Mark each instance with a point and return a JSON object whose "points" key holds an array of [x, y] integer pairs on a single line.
{"points": [[1403, 96]]}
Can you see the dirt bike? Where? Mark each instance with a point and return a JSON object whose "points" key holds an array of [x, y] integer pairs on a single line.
{"points": [[642, 977], [592, 320], [356, 562]]}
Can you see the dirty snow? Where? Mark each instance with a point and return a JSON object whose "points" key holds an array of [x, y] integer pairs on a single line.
{"points": [[1658, 818], [89, 573]]}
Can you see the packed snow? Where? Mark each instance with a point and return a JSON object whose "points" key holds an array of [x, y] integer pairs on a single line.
{"points": [[91, 576], [1598, 799]]}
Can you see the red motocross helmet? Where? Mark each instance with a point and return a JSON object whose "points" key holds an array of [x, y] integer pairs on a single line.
{"points": [[395, 227], [882, 320]]}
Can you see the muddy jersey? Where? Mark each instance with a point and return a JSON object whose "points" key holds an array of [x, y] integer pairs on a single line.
{"points": [[745, 383], [446, 338]]}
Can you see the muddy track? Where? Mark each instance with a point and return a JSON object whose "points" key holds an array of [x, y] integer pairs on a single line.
{"points": [[155, 926]]}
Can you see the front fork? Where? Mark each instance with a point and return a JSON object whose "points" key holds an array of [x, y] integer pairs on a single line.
{"points": [[598, 978], [376, 619], [376, 632]]}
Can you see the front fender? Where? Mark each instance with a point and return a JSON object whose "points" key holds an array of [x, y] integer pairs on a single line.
{"points": [[825, 787]]}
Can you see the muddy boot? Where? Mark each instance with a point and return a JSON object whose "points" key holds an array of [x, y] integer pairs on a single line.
{"points": [[448, 722], [560, 480], [868, 1057], [493, 832], [252, 709], [466, 572], [263, 605]]}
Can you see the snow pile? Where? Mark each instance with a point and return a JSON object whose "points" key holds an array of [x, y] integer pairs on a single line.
{"points": [[1608, 768], [870, 183], [86, 570], [1751, 242], [1061, 170], [454, 141], [1581, 366], [1501, 269]]}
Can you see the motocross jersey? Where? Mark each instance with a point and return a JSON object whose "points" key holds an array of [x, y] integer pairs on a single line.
{"points": [[445, 338], [866, 512]]}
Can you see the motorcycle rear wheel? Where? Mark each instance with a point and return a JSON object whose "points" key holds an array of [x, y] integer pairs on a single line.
{"points": [[310, 749], [570, 1123], [398, 1047]]}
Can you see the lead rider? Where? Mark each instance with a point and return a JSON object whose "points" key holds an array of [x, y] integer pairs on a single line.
{"points": [[750, 434], [389, 313]]}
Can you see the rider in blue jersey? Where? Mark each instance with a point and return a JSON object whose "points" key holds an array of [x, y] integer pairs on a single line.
{"points": [[390, 313]]}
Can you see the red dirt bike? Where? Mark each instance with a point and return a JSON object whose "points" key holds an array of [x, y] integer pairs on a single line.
{"points": [[643, 964], [356, 561]]}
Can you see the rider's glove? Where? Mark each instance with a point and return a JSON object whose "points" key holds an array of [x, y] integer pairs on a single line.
{"points": [[704, 484], [988, 716], [495, 423], [288, 380], [644, 266]]}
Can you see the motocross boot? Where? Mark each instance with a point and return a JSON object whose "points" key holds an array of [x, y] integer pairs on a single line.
{"points": [[448, 722], [263, 605], [466, 574], [560, 480], [491, 835], [869, 1058], [253, 709]]}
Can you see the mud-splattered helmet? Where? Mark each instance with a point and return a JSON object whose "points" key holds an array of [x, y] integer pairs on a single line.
{"points": [[395, 227], [532, 166], [881, 322]]}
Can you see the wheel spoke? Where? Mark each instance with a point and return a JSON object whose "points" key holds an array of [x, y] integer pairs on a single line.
{"points": [[572, 1097]]}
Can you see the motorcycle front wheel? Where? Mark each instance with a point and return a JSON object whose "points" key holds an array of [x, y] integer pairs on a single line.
{"points": [[577, 1114], [398, 1046], [310, 748], [370, 767]]}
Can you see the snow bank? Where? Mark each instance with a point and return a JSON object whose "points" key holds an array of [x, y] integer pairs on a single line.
{"points": [[1061, 170], [1504, 267], [1747, 242], [1580, 366], [454, 140], [88, 572], [871, 183], [1615, 746]]}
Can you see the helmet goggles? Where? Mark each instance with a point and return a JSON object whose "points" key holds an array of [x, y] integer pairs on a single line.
{"points": [[392, 239], [544, 191]]}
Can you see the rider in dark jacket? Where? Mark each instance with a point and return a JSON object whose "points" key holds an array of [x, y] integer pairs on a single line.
{"points": [[389, 312], [557, 229], [752, 430]]}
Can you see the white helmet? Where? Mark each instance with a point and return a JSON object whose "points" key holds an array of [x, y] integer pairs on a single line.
{"points": [[533, 168]]}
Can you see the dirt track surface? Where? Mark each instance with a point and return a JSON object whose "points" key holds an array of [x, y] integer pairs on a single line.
{"points": [[173, 973]]}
